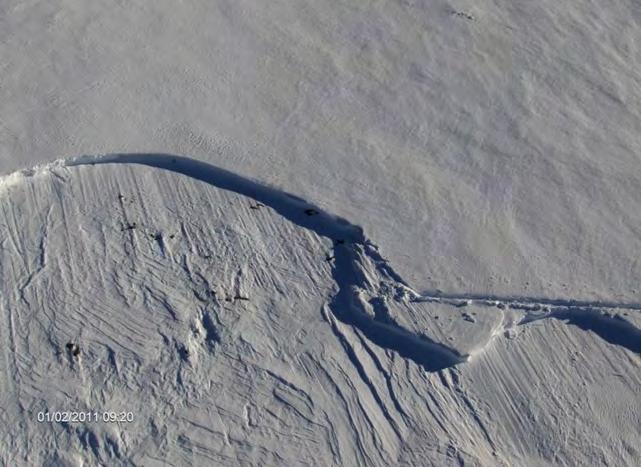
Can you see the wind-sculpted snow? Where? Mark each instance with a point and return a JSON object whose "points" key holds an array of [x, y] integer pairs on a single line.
{"points": [[349, 238], [431, 355], [244, 325]]}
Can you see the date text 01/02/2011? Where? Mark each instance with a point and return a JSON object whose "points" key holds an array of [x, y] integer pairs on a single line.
{"points": [[84, 417]]}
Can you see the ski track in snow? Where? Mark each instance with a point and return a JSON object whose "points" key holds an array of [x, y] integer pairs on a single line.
{"points": [[358, 267]]}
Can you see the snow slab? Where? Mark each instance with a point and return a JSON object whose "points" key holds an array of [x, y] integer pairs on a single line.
{"points": [[240, 331]]}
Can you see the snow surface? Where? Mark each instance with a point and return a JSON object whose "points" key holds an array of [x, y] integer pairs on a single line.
{"points": [[243, 325], [493, 155], [465, 289]]}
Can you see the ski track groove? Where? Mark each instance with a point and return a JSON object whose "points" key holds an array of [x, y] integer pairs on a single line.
{"points": [[363, 374]]}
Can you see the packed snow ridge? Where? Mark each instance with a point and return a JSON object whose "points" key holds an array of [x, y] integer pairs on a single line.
{"points": [[367, 283]]}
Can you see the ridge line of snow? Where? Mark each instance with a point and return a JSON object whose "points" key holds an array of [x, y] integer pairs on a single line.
{"points": [[523, 302]]}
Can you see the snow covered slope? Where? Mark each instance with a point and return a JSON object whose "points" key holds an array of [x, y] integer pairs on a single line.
{"points": [[490, 146], [243, 325], [455, 282]]}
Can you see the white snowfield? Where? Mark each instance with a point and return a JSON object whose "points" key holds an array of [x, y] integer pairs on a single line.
{"points": [[488, 146], [456, 280], [241, 325]]}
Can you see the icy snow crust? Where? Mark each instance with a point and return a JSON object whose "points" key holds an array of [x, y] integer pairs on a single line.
{"points": [[242, 324]]}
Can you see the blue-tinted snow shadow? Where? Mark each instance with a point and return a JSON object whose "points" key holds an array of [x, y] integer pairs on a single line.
{"points": [[611, 328], [380, 329], [293, 208]]}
